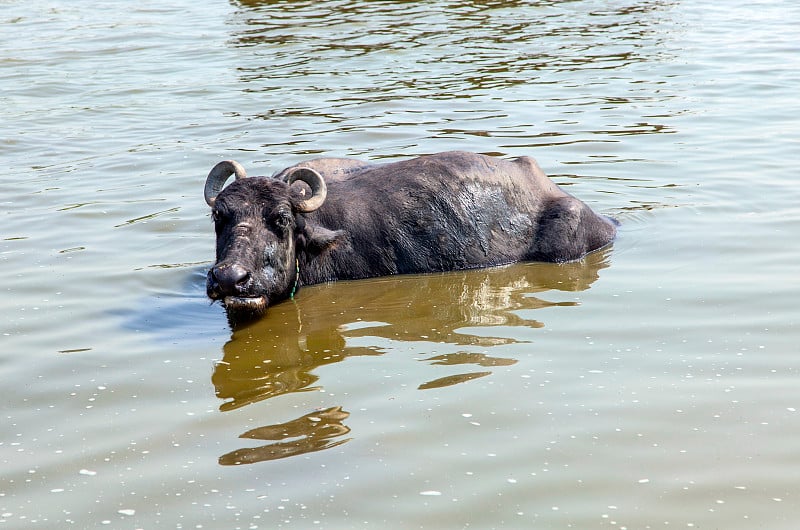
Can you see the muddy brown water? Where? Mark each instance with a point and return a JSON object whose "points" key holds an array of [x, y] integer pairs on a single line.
{"points": [[651, 385]]}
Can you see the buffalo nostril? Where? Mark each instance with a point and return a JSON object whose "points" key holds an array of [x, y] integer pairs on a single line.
{"points": [[231, 278]]}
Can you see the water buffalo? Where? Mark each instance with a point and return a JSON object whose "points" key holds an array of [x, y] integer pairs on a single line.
{"points": [[353, 220]]}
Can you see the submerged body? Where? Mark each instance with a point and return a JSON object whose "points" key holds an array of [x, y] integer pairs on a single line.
{"points": [[434, 213]]}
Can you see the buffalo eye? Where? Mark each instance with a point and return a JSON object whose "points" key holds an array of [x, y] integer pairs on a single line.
{"points": [[221, 218], [283, 220], [217, 216]]}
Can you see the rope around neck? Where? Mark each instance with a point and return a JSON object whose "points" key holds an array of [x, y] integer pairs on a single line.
{"points": [[296, 278]]}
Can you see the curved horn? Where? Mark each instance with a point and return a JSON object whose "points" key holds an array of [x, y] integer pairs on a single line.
{"points": [[318, 188], [217, 177]]}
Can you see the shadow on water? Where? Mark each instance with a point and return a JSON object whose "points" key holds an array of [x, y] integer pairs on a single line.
{"points": [[463, 312], [182, 314]]}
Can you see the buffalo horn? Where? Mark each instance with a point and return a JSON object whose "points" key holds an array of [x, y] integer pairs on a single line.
{"points": [[217, 177], [318, 188]]}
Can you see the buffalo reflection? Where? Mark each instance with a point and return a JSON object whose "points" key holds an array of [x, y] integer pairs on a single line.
{"points": [[280, 353], [313, 432]]}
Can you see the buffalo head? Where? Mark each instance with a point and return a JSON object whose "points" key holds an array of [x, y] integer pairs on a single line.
{"points": [[262, 236]]}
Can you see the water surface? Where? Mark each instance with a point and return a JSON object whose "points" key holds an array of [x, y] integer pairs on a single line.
{"points": [[651, 385]]}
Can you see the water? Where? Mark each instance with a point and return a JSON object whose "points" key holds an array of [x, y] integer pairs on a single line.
{"points": [[651, 385]]}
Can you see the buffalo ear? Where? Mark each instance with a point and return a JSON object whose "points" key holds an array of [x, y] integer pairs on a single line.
{"points": [[319, 239]]}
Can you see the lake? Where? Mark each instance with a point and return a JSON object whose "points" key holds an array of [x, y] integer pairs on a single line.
{"points": [[653, 384]]}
